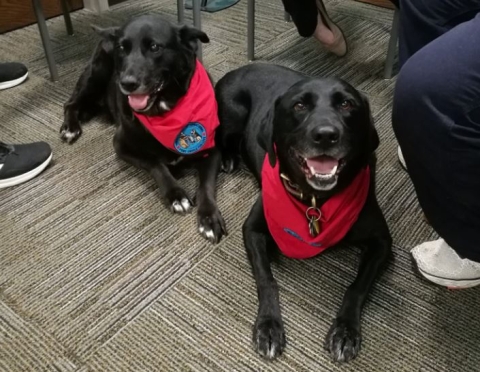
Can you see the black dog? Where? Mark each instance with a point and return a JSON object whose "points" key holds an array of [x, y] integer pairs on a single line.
{"points": [[140, 75], [320, 134]]}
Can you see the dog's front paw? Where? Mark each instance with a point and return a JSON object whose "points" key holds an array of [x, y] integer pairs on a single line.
{"points": [[179, 201], [70, 135], [211, 224], [343, 341], [269, 336]]}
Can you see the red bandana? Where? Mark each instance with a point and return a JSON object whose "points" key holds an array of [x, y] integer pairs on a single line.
{"points": [[287, 221], [190, 126]]}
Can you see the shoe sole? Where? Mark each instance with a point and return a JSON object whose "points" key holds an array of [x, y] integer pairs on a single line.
{"points": [[26, 176], [13, 83], [444, 282], [401, 158]]}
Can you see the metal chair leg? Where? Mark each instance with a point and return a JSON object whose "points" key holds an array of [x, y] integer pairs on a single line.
{"points": [[180, 10], [392, 45], [47, 45], [66, 16], [251, 30], [198, 24]]}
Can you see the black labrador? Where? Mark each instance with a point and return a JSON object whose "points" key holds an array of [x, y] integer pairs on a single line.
{"points": [[146, 68], [321, 135]]}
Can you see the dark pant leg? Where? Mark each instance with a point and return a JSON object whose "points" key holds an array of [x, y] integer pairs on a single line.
{"points": [[304, 15], [422, 21], [436, 118]]}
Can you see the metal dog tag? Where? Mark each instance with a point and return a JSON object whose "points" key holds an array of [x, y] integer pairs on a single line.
{"points": [[313, 216], [313, 228]]}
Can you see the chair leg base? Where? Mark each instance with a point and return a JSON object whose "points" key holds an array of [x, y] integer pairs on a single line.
{"points": [[251, 30], [66, 16], [392, 46], [47, 44]]}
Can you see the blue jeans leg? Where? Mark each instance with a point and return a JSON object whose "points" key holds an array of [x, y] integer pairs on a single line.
{"points": [[422, 21], [436, 118]]}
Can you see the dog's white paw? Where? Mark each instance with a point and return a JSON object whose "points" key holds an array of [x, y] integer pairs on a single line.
{"points": [[211, 225], [186, 205], [68, 136], [182, 206], [208, 234]]}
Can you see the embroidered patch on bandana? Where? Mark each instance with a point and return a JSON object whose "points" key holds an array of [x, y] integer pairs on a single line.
{"points": [[191, 138], [295, 235]]}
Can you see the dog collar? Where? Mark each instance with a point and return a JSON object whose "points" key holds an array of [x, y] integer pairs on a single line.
{"points": [[313, 213]]}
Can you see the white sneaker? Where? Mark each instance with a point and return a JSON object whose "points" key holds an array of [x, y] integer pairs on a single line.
{"points": [[400, 158], [12, 74], [440, 264]]}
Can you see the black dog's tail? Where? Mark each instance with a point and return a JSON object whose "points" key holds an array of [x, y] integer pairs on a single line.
{"points": [[233, 110]]}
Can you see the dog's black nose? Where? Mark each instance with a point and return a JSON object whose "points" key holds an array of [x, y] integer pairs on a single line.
{"points": [[326, 135], [129, 84]]}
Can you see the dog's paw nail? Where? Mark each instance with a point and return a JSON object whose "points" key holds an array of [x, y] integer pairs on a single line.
{"points": [[228, 166], [183, 206], [186, 205], [177, 207], [343, 342], [269, 337], [210, 234], [207, 233], [68, 136], [211, 225]]}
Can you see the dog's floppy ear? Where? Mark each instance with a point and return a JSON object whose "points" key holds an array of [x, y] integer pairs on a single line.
{"points": [[265, 136], [190, 36], [373, 140], [108, 35]]}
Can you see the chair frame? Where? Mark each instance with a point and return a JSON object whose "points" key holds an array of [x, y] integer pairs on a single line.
{"points": [[392, 44], [47, 43]]}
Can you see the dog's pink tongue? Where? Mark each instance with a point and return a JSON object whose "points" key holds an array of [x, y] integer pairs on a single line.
{"points": [[138, 101], [322, 164]]}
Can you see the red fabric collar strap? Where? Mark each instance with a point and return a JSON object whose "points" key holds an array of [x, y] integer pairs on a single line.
{"points": [[287, 221], [190, 126]]}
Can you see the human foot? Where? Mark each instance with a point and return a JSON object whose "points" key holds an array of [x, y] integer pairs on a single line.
{"points": [[440, 264], [328, 33]]}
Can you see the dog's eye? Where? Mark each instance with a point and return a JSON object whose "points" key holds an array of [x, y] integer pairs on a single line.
{"points": [[120, 47], [154, 47], [346, 104], [299, 106]]}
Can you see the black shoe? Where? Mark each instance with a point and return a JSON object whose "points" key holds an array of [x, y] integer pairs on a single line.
{"points": [[11, 74], [20, 163]]}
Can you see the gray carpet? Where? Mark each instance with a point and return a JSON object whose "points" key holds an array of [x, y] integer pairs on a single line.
{"points": [[96, 275]]}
